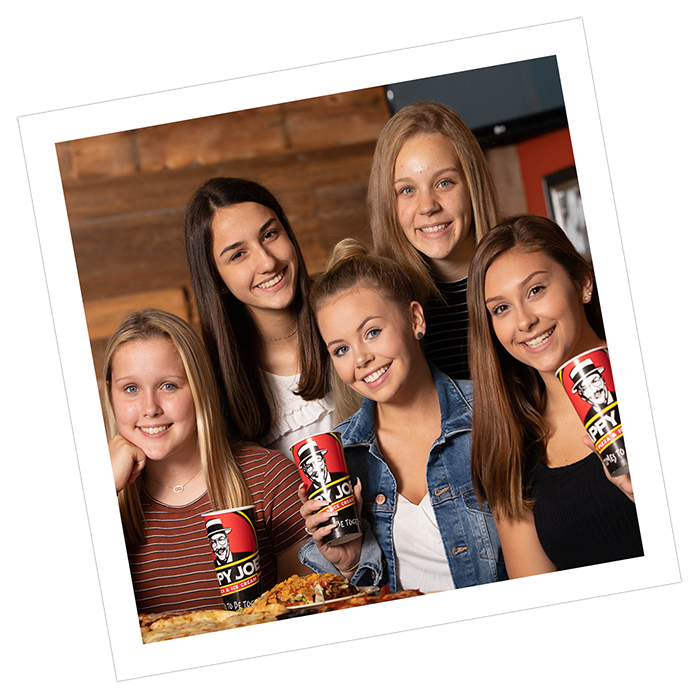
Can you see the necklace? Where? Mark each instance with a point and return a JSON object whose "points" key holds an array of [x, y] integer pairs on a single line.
{"points": [[179, 488], [274, 340]]}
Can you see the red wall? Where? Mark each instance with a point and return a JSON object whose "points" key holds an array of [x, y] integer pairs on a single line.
{"points": [[539, 157]]}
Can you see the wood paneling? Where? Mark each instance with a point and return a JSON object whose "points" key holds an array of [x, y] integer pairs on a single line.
{"points": [[126, 193], [504, 164], [104, 315], [304, 125]]}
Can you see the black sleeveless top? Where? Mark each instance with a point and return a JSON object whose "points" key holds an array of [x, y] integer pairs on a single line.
{"points": [[582, 518]]}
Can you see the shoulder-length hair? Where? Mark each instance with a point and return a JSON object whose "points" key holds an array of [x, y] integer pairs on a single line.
{"points": [[230, 334], [510, 433], [415, 119], [225, 482]]}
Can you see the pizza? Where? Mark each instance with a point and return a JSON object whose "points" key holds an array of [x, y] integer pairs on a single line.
{"points": [[384, 595], [157, 627], [303, 590], [272, 605]]}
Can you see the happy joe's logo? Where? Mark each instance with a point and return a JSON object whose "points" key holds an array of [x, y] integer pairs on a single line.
{"points": [[588, 381], [234, 548]]}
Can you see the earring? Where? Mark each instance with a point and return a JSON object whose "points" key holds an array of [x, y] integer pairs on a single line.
{"points": [[419, 335]]}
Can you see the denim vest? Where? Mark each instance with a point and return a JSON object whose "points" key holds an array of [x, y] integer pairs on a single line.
{"points": [[467, 528]]}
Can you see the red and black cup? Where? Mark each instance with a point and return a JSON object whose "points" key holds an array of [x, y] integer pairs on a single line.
{"points": [[588, 382], [234, 548], [324, 473]]}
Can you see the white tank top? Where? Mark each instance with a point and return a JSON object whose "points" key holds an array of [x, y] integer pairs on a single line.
{"points": [[420, 554]]}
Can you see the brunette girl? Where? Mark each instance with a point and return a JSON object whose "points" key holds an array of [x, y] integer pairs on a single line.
{"points": [[172, 462], [534, 305], [431, 198], [408, 446], [251, 287]]}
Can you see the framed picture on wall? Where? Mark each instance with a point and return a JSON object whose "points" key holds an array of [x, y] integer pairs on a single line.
{"points": [[563, 198]]}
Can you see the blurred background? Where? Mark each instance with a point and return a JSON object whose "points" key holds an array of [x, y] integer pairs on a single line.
{"points": [[126, 192]]}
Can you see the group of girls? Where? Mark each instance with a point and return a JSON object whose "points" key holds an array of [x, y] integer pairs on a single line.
{"points": [[464, 469]]}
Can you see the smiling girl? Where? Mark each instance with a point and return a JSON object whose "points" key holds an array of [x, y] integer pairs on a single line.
{"points": [[408, 447], [172, 462], [534, 306], [430, 199], [251, 291]]}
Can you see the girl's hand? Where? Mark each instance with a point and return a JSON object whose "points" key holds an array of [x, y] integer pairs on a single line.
{"points": [[342, 556], [623, 482], [128, 460]]}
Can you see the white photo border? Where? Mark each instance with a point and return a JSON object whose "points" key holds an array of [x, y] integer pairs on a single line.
{"points": [[40, 134]]}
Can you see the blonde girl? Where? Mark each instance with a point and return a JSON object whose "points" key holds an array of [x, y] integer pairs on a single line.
{"points": [[431, 198], [408, 448], [172, 462]]}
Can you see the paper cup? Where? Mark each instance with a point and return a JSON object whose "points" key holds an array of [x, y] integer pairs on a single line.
{"points": [[234, 548], [588, 382], [324, 472]]}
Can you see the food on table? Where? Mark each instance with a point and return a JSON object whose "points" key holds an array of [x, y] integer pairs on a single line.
{"points": [[385, 594], [321, 589], [303, 590], [156, 627]]}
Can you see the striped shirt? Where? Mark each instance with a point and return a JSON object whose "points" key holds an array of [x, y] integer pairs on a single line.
{"points": [[174, 569], [445, 343]]}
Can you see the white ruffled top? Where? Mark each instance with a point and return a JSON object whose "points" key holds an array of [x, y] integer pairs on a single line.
{"points": [[296, 418]]}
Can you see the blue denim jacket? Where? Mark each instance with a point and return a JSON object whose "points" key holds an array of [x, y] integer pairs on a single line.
{"points": [[467, 528]]}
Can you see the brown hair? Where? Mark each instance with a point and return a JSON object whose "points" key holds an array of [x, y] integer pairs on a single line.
{"points": [[510, 433], [225, 482], [230, 334], [414, 119]]}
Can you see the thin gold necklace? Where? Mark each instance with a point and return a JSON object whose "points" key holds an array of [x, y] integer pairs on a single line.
{"points": [[274, 340], [179, 488]]}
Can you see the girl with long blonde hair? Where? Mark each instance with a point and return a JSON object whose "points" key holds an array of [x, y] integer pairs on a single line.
{"points": [[431, 198], [172, 461], [408, 448]]}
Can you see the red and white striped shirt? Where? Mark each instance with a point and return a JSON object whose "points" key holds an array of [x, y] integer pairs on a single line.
{"points": [[174, 569]]}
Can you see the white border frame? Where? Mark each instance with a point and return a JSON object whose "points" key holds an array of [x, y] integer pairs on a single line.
{"points": [[41, 132]]}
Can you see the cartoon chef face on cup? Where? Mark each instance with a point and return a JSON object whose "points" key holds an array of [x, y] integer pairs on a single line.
{"points": [[313, 463], [218, 539], [590, 385]]}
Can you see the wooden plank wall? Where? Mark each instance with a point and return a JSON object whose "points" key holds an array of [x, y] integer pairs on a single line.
{"points": [[126, 193]]}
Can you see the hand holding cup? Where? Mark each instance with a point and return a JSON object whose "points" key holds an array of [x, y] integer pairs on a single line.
{"points": [[589, 384], [342, 556], [623, 482]]}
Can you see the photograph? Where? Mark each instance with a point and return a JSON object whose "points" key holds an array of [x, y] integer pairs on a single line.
{"points": [[346, 351]]}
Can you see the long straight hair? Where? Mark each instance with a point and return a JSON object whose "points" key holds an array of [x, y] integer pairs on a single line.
{"points": [[413, 120], [510, 433], [230, 334], [225, 482]]}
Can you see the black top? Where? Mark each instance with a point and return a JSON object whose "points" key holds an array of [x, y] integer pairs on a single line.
{"points": [[445, 343], [582, 518]]}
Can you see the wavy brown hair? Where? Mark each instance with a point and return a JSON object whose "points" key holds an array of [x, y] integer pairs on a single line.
{"points": [[225, 482], [415, 119], [510, 433], [230, 334]]}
